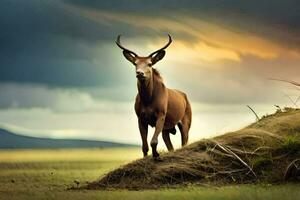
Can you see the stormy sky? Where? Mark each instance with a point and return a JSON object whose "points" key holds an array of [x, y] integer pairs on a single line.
{"points": [[61, 74]]}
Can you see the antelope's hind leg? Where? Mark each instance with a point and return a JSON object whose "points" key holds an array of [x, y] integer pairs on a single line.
{"points": [[185, 124], [167, 140], [184, 128]]}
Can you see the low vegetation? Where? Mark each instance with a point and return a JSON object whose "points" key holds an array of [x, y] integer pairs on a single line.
{"points": [[47, 174], [267, 151]]}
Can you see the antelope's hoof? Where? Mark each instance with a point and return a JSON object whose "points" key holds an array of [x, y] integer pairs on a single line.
{"points": [[157, 159], [155, 154]]}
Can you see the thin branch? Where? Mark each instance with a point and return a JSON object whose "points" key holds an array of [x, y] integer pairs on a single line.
{"points": [[236, 156], [287, 81], [297, 88], [291, 100], [257, 118], [292, 165], [231, 171], [297, 99], [259, 148]]}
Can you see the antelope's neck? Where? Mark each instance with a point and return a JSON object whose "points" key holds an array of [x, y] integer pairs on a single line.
{"points": [[145, 90]]}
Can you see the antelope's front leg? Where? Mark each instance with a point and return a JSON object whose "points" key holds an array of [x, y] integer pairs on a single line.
{"points": [[158, 129], [143, 127]]}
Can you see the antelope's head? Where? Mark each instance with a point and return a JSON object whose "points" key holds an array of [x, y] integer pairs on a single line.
{"points": [[143, 65]]}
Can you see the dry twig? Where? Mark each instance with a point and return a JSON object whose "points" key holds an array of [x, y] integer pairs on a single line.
{"points": [[257, 118], [236, 156], [290, 167]]}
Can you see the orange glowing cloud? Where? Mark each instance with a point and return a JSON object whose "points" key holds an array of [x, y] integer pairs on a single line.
{"points": [[211, 42]]}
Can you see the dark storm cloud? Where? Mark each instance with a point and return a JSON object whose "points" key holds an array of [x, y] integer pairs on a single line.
{"points": [[43, 42], [274, 19], [276, 12], [34, 18]]}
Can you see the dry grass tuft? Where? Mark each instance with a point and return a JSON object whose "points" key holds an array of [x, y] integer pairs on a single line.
{"points": [[265, 151]]}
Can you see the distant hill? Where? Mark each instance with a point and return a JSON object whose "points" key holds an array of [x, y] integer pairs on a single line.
{"points": [[9, 140]]}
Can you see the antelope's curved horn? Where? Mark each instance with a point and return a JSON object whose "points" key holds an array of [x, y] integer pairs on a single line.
{"points": [[169, 42], [124, 49]]}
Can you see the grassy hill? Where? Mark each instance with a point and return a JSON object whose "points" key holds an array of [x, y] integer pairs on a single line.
{"points": [[265, 151], [9, 140]]}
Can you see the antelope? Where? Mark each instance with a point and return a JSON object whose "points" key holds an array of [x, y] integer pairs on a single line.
{"points": [[155, 104]]}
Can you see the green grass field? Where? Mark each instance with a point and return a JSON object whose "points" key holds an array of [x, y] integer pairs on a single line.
{"points": [[46, 174]]}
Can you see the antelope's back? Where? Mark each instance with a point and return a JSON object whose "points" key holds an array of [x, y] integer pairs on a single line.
{"points": [[177, 103]]}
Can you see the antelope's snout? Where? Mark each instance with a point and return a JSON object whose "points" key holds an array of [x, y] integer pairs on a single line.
{"points": [[140, 75]]}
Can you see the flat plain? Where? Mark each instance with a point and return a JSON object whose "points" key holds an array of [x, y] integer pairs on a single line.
{"points": [[47, 174]]}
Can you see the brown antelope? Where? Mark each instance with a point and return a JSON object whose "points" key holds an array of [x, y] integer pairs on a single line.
{"points": [[155, 104]]}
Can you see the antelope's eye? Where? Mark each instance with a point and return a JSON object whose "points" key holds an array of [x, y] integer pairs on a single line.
{"points": [[149, 65]]}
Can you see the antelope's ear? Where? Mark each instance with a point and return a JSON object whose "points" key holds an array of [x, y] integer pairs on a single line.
{"points": [[129, 56], [158, 56]]}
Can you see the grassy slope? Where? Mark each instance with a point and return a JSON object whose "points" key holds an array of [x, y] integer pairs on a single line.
{"points": [[45, 174], [263, 152]]}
